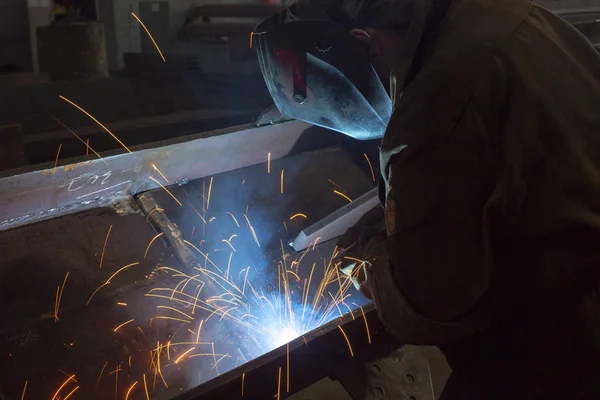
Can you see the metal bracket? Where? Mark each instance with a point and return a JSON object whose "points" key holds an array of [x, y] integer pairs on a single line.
{"points": [[335, 224]]}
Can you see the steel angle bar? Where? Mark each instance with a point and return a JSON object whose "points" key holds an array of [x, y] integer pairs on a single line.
{"points": [[45, 191]]}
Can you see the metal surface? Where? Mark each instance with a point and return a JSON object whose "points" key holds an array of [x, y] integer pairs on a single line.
{"points": [[271, 116], [41, 192], [335, 224]]}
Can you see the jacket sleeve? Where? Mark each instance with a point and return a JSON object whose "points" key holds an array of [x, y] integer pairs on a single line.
{"points": [[436, 161]]}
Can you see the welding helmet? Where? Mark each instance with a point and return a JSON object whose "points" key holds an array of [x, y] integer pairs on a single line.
{"points": [[316, 71]]}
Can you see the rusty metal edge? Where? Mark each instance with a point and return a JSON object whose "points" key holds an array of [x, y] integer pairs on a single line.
{"points": [[41, 192]]}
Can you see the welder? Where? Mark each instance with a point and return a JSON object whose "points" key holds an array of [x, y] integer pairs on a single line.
{"points": [[490, 160]]}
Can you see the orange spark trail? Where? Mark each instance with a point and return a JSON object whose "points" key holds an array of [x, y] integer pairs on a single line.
{"points": [[366, 323], [347, 341], [282, 181], [130, 389], [25, 388], [209, 190], [150, 36], [146, 388], [183, 355], [122, 325], [100, 376], [251, 37], [57, 154], [298, 215], [104, 248], [234, 219], [279, 385], [268, 163], [62, 386], [166, 190], [122, 304], [152, 241], [59, 298], [243, 381], [315, 243], [199, 329], [160, 173], [86, 142], [96, 121], [343, 195], [288, 367], [71, 393], [121, 269], [370, 166]]}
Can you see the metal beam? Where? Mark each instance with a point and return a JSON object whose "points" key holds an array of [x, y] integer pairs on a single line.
{"points": [[335, 224], [45, 191]]}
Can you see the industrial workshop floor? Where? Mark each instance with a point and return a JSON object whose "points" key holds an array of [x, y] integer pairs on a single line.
{"points": [[86, 310]]}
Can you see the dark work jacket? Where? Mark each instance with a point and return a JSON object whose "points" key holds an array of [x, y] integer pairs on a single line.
{"points": [[491, 163]]}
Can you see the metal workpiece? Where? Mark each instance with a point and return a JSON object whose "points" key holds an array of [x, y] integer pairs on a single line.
{"points": [[46, 191], [170, 232], [335, 224]]}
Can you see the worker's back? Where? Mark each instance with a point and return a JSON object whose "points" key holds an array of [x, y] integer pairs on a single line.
{"points": [[535, 103]]}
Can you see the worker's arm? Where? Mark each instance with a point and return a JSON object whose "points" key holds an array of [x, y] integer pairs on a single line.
{"points": [[430, 286]]}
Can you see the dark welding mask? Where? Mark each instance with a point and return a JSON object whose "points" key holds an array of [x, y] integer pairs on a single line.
{"points": [[317, 72]]}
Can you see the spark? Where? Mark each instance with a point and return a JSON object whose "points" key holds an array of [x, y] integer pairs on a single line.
{"points": [[154, 209], [230, 245], [282, 171], [370, 167], [285, 226], [201, 217], [199, 329], [87, 142], [101, 371], [315, 243], [122, 325], [160, 173], [174, 309], [295, 274], [298, 215], [251, 37], [287, 367], [366, 323], [212, 219], [96, 291], [121, 269], [279, 385], [146, 388], [184, 354], [150, 244], [130, 389], [228, 265], [96, 121], [70, 393], [214, 357], [104, 247], [150, 36], [57, 306], [243, 381], [129, 362], [122, 304], [343, 195], [252, 229], [167, 190], [234, 220], [209, 190], [169, 350], [25, 389], [57, 154], [347, 341], [245, 280], [62, 386], [170, 318], [268, 154]]}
